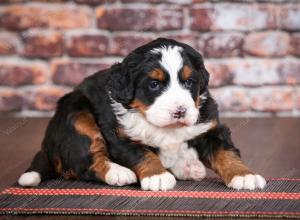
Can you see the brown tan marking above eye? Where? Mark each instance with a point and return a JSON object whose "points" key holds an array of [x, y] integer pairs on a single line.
{"points": [[186, 72], [157, 74], [139, 105]]}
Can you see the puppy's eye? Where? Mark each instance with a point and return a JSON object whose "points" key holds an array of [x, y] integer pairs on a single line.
{"points": [[188, 83], [154, 85]]}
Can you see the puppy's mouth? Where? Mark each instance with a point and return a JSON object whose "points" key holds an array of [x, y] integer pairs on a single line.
{"points": [[177, 124]]}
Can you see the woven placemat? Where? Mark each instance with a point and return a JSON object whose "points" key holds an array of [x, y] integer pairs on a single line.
{"points": [[207, 198]]}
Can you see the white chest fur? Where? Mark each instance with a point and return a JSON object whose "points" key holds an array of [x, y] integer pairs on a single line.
{"points": [[170, 141]]}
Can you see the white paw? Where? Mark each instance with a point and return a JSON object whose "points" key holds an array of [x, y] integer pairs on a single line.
{"points": [[249, 181], [189, 170], [119, 176], [30, 179], [194, 170], [164, 181]]}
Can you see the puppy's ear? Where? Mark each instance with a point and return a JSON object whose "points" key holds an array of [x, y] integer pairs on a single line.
{"points": [[197, 62], [122, 81], [119, 85]]}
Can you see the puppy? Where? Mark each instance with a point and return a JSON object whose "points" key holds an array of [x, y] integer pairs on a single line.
{"points": [[149, 118]]}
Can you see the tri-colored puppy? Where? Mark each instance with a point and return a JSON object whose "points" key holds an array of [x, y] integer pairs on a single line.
{"points": [[149, 118]]}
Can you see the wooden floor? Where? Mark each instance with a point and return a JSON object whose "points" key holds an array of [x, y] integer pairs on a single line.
{"points": [[270, 146]]}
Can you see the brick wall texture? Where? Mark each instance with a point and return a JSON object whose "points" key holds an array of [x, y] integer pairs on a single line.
{"points": [[251, 48]]}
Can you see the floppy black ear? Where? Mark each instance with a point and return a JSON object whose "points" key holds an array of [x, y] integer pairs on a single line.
{"points": [[197, 62], [121, 84]]}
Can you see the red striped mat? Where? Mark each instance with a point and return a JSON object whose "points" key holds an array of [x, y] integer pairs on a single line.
{"points": [[207, 198]]}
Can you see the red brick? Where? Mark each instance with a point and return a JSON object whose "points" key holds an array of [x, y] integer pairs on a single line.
{"points": [[44, 99], [10, 100], [11, 1], [295, 44], [122, 45], [272, 99], [50, 1], [142, 19], [272, 44], [233, 17], [42, 44], [21, 74], [290, 17], [232, 99], [8, 43], [254, 72], [95, 2], [20, 17], [221, 44], [87, 45], [265, 16], [298, 99], [125, 19], [202, 18], [289, 71], [169, 19], [159, 1], [71, 73], [273, 1], [220, 74]]}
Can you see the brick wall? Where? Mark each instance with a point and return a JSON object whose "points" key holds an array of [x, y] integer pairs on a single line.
{"points": [[252, 48]]}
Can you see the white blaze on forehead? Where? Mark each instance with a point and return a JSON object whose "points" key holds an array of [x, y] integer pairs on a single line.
{"points": [[171, 59]]}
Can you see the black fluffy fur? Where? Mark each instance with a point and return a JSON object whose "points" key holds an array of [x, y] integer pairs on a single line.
{"points": [[92, 96]]}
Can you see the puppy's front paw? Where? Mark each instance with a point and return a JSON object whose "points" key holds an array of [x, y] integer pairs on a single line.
{"points": [[164, 181], [189, 170], [249, 181], [119, 176], [194, 170]]}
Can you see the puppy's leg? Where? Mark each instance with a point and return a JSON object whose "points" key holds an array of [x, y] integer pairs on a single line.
{"points": [[139, 158], [216, 149], [102, 166], [39, 170], [152, 174], [234, 172]]}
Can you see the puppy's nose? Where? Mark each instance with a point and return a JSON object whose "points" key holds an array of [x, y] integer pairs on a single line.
{"points": [[180, 112]]}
